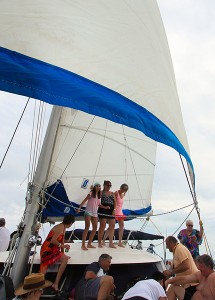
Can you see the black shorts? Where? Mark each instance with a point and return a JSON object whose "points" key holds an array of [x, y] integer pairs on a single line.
{"points": [[189, 292], [105, 213]]}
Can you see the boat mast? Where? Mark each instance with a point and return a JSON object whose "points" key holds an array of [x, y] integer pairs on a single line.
{"points": [[23, 250]]}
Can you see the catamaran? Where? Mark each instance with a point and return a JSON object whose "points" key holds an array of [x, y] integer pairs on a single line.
{"points": [[106, 68]]}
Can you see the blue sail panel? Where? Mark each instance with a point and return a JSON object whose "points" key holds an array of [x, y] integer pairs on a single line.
{"points": [[30, 77], [57, 202]]}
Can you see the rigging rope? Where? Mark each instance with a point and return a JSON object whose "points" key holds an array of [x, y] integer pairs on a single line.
{"points": [[183, 221], [31, 147], [37, 140], [14, 133], [76, 148], [69, 160], [171, 211], [196, 206], [132, 162], [64, 140], [37, 137], [155, 226]]}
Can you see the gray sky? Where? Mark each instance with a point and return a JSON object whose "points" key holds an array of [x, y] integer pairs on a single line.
{"points": [[190, 27]]}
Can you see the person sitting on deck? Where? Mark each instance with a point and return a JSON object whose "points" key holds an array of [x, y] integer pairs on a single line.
{"points": [[148, 289], [95, 283], [52, 249]]}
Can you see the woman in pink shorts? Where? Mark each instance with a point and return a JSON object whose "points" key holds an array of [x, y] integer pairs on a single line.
{"points": [[119, 196]]}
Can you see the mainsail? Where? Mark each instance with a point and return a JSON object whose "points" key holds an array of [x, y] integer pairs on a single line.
{"points": [[109, 59], [107, 65], [89, 149]]}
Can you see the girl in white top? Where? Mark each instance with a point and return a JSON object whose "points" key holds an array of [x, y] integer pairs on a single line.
{"points": [[93, 200]]}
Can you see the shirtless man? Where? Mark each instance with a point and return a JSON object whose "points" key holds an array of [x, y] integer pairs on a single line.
{"points": [[205, 277]]}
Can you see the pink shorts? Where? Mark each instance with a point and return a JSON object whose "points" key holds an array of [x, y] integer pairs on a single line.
{"points": [[120, 217]]}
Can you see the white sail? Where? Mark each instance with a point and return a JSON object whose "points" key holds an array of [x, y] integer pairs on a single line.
{"points": [[120, 45], [108, 59], [93, 149], [119, 49]]}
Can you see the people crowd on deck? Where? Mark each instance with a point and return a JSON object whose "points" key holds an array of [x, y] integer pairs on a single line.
{"points": [[190, 276], [106, 206]]}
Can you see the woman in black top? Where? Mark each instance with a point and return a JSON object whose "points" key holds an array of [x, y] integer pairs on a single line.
{"points": [[107, 214]]}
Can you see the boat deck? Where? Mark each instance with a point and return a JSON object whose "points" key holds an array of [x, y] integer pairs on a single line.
{"points": [[127, 263], [119, 255]]}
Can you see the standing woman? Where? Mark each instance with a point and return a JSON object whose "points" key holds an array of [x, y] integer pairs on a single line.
{"points": [[93, 200], [119, 196], [107, 214], [52, 249], [191, 238]]}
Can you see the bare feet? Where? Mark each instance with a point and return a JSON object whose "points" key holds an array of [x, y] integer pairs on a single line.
{"points": [[112, 246], [103, 243], [84, 248], [90, 246], [55, 287], [121, 245], [100, 245]]}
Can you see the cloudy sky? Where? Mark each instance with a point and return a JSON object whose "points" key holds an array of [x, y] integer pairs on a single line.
{"points": [[190, 29]]}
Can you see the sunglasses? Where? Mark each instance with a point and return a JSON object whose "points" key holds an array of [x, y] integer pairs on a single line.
{"points": [[108, 184], [190, 225]]}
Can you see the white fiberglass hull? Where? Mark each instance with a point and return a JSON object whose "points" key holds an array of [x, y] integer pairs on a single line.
{"points": [[119, 255]]}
